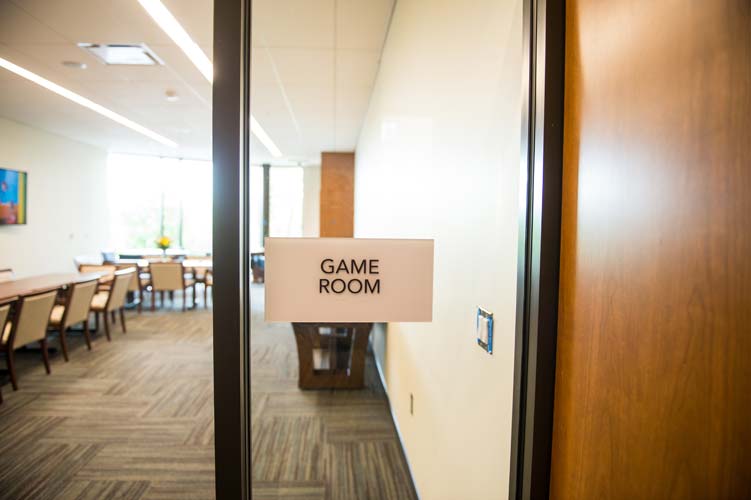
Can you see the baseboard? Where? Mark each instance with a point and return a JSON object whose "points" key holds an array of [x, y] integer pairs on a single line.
{"points": [[396, 425]]}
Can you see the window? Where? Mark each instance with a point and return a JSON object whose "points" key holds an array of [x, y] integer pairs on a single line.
{"points": [[151, 196], [285, 203]]}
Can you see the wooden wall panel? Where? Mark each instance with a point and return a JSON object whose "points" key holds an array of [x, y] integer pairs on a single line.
{"points": [[337, 194], [653, 374]]}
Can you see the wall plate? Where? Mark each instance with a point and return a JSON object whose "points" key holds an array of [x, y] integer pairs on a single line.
{"points": [[484, 329]]}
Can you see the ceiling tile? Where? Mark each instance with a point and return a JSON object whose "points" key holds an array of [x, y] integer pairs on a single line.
{"points": [[16, 26], [362, 24], [293, 23]]}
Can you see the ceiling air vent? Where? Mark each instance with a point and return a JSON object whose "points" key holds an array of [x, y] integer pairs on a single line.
{"points": [[128, 54]]}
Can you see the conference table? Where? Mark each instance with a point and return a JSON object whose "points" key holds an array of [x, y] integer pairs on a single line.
{"points": [[12, 290]]}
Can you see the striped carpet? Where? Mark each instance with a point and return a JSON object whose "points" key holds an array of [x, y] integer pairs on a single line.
{"points": [[133, 419], [316, 445]]}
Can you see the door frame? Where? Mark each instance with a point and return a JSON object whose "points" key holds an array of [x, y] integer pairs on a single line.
{"points": [[538, 257], [231, 247], [538, 253]]}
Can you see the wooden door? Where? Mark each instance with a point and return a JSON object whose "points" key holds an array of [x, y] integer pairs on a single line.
{"points": [[653, 374]]}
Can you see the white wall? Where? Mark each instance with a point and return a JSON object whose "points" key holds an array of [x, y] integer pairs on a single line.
{"points": [[67, 204], [311, 210], [438, 157]]}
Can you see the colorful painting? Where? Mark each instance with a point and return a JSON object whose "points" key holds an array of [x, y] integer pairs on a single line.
{"points": [[12, 197]]}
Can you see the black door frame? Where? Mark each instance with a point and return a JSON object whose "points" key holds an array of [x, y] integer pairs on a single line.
{"points": [[538, 264], [538, 252], [231, 321]]}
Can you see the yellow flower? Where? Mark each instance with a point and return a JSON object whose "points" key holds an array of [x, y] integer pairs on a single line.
{"points": [[164, 242]]}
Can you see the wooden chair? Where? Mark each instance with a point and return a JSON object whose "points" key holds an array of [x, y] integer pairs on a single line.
{"points": [[208, 283], [6, 275], [138, 284], [29, 325], [107, 271], [170, 277], [113, 300], [4, 312], [202, 275], [75, 310]]}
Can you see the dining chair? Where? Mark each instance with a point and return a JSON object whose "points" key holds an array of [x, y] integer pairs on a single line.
{"points": [[75, 310], [29, 325], [112, 301], [6, 275], [138, 285], [202, 275], [208, 283], [170, 277], [4, 312], [106, 270]]}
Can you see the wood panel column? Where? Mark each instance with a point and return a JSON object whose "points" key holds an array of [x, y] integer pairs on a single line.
{"points": [[653, 373], [337, 195]]}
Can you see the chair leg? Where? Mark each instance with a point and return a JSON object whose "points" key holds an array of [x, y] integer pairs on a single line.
{"points": [[114, 317], [205, 296], [64, 344], [122, 319], [140, 301], [161, 298], [45, 354], [153, 300], [107, 327], [86, 333], [185, 298], [11, 357]]}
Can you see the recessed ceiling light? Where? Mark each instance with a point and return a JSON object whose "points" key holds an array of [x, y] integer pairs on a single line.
{"points": [[123, 54], [74, 64], [164, 18], [171, 96], [79, 99]]}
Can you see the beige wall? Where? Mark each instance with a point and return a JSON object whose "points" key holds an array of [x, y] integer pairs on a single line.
{"points": [[67, 205], [311, 201], [438, 157]]}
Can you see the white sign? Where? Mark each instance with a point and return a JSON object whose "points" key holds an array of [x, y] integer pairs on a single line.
{"points": [[348, 280]]}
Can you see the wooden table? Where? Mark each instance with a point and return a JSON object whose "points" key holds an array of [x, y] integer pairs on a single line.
{"points": [[331, 360], [143, 264], [11, 290], [202, 263]]}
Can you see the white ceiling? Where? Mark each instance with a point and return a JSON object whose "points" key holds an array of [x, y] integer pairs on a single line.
{"points": [[313, 67]]}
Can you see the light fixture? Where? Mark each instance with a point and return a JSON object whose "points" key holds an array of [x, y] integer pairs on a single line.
{"points": [[74, 64], [177, 33], [119, 54], [262, 136], [78, 99], [171, 95], [164, 18]]}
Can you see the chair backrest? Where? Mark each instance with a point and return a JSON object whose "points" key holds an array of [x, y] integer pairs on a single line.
{"points": [[80, 260], [32, 318], [166, 275], [107, 270], [119, 288], [135, 283], [6, 275], [78, 305]]}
